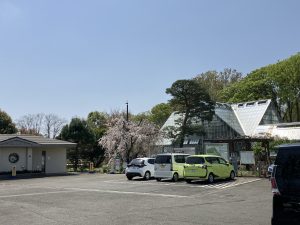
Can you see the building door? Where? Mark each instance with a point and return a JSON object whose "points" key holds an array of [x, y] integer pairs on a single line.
{"points": [[43, 161]]}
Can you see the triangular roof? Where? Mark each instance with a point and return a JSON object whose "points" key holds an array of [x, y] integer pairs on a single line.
{"points": [[15, 140], [250, 114], [224, 112]]}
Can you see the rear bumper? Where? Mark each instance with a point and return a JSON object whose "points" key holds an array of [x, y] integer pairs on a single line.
{"points": [[194, 178], [165, 174]]}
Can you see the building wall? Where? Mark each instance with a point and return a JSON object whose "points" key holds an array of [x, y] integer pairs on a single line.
{"points": [[36, 159], [56, 160], [6, 166]]}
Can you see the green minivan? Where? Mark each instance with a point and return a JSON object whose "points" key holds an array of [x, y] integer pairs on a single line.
{"points": [[207, 167]]}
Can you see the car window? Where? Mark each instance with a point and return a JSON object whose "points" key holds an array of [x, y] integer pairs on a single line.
{"points": [[151, 161], [222, 161], [163, 159], [195, 160], [292, 168], [212, 160], [179, 158], [136, 162]]}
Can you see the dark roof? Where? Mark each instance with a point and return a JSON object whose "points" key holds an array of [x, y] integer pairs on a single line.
{"points": [[11, 140]]}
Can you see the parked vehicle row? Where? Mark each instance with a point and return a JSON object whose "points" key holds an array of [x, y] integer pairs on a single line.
{"points": [[175, 166]]}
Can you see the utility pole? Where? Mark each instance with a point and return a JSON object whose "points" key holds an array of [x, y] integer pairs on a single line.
{"points": [[127, 111]]}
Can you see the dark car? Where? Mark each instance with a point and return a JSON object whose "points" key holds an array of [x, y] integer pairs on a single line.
{"points": [[285, 181]]}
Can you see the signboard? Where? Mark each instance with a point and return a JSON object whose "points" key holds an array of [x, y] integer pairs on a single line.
{"points": [[186, 150], [247, 157], [220, 149]]}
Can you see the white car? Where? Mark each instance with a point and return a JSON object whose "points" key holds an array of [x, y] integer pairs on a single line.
{"points": [[140, 167]]}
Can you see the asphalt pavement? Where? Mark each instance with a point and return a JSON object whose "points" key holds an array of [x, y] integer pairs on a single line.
{"points": [[96, 199]]}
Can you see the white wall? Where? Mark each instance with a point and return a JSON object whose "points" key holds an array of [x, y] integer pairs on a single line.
{"points": [[56, 160], [36, 159], [6, 166]]}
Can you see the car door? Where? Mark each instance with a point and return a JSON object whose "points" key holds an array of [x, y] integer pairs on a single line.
{"points": [[151, 166], [163, 164], [178, 164], [213, 166], [224, 168], [194, 167]]}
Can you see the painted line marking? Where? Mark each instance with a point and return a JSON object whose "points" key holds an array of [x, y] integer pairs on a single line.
{"points": [[245, 182], [129, 193], [210, 186], [35, 194]]}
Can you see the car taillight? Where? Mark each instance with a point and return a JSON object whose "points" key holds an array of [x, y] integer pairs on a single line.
{"points": [[275, 189]]}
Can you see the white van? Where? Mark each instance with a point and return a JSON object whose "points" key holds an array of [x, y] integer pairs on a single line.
{"points": [[169, 166]]}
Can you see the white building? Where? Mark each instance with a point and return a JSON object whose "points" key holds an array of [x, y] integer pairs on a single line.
{"points": [[32, 154]]}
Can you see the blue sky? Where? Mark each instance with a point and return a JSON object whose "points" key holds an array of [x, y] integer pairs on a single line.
{"points": [[71, 57]]}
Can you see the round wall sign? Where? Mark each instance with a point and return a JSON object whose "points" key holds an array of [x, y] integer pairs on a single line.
{"points": [[13, 158]]}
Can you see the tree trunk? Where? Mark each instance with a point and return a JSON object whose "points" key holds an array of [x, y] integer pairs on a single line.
{"points": [[290, 110]]}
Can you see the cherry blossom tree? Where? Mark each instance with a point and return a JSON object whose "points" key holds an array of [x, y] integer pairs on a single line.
{"points": [[128, 139]]}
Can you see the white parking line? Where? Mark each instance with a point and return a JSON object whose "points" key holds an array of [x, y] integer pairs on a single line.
{"points": [[241, 183], [40, 193], [129, 193], [225, 185]]}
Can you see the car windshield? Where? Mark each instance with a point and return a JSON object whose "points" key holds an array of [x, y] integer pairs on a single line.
{"points": [[137, 162], [195, 160], [163, 159]]}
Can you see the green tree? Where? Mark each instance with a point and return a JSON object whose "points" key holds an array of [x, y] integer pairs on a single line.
{"points": [[192, 102], [78, 132], [97, 122], [6, 124], [160, 113], [279, 82], [214, 82]]}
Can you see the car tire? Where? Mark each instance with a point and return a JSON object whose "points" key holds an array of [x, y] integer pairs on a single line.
{"points": [[129, 177], [147, 175], [175, 177], [232, 175], [158, 179], [188, 181], [210, 178]]}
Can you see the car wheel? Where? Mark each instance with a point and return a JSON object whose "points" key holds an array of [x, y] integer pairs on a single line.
{"points": [[158, 179], [211, 178], [175, 177], [147, 175], [232, 175], [129, 177], [188, 181]]}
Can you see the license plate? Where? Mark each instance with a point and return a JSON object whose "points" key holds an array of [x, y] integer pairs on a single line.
{"points": [[193, 171]]}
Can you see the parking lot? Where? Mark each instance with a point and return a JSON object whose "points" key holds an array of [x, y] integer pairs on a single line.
{"points": [[111, 199]]}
